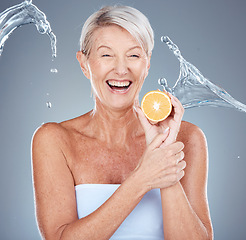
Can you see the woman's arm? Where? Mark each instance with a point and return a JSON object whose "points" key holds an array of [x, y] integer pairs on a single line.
{"points": [[185, 206], [55, 194]]}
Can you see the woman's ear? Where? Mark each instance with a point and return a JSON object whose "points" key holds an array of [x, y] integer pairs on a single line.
{"points": [[83, 63]]}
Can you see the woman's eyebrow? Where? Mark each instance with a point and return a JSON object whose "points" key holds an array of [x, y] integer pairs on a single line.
{"points": [[134, 48], [103, 46], [131, 48]]}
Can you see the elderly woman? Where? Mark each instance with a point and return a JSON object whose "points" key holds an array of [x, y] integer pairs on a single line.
{"points": [[110, 173]]}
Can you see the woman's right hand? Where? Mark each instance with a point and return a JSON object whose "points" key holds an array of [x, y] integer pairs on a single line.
{"points": [[161, 167]]}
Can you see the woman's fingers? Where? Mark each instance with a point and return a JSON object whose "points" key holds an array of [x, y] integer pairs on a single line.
{"points": [[167, 180], [174, 120], [143, 120], [151, 131], [162, 167], [158, 140], [171, 175], [176, 168], [178, 108]]}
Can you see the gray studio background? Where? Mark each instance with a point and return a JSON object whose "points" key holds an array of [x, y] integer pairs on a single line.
{"points": [[210, 34]]}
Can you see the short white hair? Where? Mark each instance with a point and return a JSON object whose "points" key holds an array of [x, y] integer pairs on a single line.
{"points": [[129, 18]]}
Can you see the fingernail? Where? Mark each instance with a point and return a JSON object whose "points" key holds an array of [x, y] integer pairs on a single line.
{"points": [[166, 130], [136, 102]]}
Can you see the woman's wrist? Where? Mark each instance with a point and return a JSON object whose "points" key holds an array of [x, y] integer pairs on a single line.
{"points": [[137, 183]]}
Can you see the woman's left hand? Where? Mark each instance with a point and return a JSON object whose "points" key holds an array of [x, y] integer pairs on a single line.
{"points": [[171, 123]]}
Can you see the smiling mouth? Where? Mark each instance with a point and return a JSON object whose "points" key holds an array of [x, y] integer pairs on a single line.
{"points": [[119, 85]]}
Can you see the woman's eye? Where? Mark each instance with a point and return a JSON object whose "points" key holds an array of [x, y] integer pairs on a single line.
{"points": [[105, 55], [134, 55]]}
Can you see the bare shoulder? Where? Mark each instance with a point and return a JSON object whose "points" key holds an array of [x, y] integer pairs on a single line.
{"points": [[57, 138], [49, 132], [191, 135], [61, 131], [50, 127]]}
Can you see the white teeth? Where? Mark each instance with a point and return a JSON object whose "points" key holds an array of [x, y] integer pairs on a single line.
{"points": [[113, 83]]}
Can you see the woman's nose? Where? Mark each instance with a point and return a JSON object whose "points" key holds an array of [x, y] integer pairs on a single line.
{"points": [[121, 66]]}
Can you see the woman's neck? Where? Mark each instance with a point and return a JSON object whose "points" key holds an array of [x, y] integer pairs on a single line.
{"points": [[115, 127]]}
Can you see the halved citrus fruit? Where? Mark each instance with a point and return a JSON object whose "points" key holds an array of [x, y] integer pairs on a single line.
{"points": [[156, 106]]}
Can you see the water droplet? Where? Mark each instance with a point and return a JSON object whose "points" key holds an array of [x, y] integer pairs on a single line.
{"points": [[53, 70], [28, 1], [162, 81], [238, 157], [47, 94], [165, 39], [48, 104]]}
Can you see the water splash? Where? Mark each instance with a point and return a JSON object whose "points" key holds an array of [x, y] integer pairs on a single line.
{"points": [[193, 89], [48, 104], [53, 70], [22, 14]]}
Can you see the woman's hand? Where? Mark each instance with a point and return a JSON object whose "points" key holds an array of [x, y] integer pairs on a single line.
{"points": [[171, 124], [161, 167]]}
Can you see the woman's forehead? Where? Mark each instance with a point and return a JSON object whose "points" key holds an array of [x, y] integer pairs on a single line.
{"points": [[111, 36]]}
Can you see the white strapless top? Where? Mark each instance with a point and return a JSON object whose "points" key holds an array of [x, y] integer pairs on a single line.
{"points": [[144, 222]]}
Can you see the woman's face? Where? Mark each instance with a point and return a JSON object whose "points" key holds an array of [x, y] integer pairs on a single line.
{"points": [[117, 66]]}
